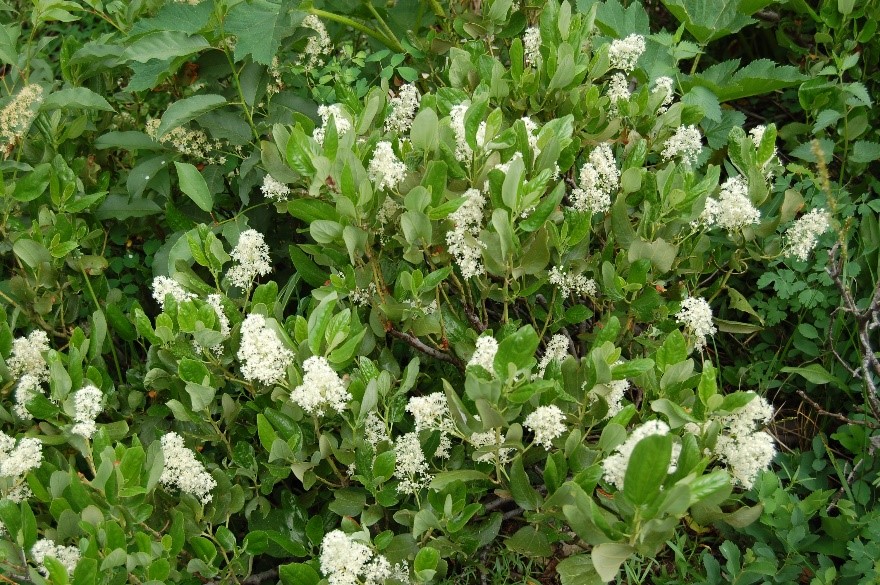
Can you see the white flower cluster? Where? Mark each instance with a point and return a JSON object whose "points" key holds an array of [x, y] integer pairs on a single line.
{"points": [[686, 143], [66, 555], [216, 303], [614, 466], [532, 131], [375, 430], [164, 286], [599, 179], [696, 316], [385, 170], [252, 255], [733, 210], [461, 241], [430, 412], [362, 296], [192, 143], [556, 350], [87, 406], [344, 561], [548, 423], [484, 353], [18, 115], [339, 117], [274, 189], [16, 460], [318, 45], [744, 450], [403, 109], [492, 438], [505, 167], [321, 388], [624, 53], [27, 356], [618, 89], [569, 283], [803, 235], [532, 46], [411, 467], [664, 85], [463, 151], [263, 355], [183, 471], [27, 363]]}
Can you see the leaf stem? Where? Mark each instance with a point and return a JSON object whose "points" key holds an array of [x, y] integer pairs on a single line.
{"points": [[390, 43]]}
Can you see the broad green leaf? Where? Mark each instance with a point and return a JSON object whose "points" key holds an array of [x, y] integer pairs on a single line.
{"points": [[814, 373], [75, 98], [444, 478], [608, 557], [164, 45], [259, 26], [193, 184], [182, 111], [708, 21], [647, 469]]}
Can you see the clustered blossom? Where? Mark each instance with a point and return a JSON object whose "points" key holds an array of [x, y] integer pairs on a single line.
{"points": [[548, 423], [803, 235], [569, 283], [624, 53], [18, 115], [411, 467], [192, 143], [27, 356], [614, 466], [87, 406], [757, 135], [532, 46], [686, 143], [532, 130], [277, 83], [744, 450], [696, 316], [164, 286], [27, 388], [618, 89], [262, 354], [318, 45], [599, 179], [183, 471], [505, 167], [321, 388], [463, 151], [375, 430], [556, 350], [362, 296], [16, 460], [430, 412], [666, 86], [68, 556], [403, 109], [494, 439], [461, 241], [385, 170], [484, 354], [733, 210], [252, 255], [216, 303], [274, 189], [340, 120], [344, 561]]}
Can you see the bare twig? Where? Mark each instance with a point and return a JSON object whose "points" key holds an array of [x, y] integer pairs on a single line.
{"points": [[427, 349], [836, 415]]}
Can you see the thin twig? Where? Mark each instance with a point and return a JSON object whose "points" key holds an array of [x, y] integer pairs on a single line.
{"points": [[427, 349], [835, 415]]}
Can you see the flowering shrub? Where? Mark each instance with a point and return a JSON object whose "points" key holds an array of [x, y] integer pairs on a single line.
{"points": [[392, 327]]}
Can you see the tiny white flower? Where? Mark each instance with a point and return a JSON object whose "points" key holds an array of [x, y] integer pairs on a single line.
{"points": [[803, 235], [274, 189], [336, 113], [321, 388], [68, 556], [87, 406], [614, 466], [624, 53], [569, 283], [27, 356], [385, 170], [263, 355], [618, 89], [686, 143], [556, 351], [411, 467], [664, 85], [403, 109], [463, 151], [484, 354], [532, 46], [599, 180], [733, 210], [696, 315], [252, 256], [548, 423], [164, 286], [183, 471]]}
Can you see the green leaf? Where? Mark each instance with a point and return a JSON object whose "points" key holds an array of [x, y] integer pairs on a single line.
{"points": [[661, 253], [298, 574], [608, 557], [182, 111], [119, 207], [259, 26], [521, 488], [705, 100], [757, 78], [814, 373], [76, 98], [647, 470], [193, 184], [579, 569], [529, 541], [517, 349], [33, 184], [708, 21], [164, 45], [865, 152], [444, 478], [31, 253]]}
